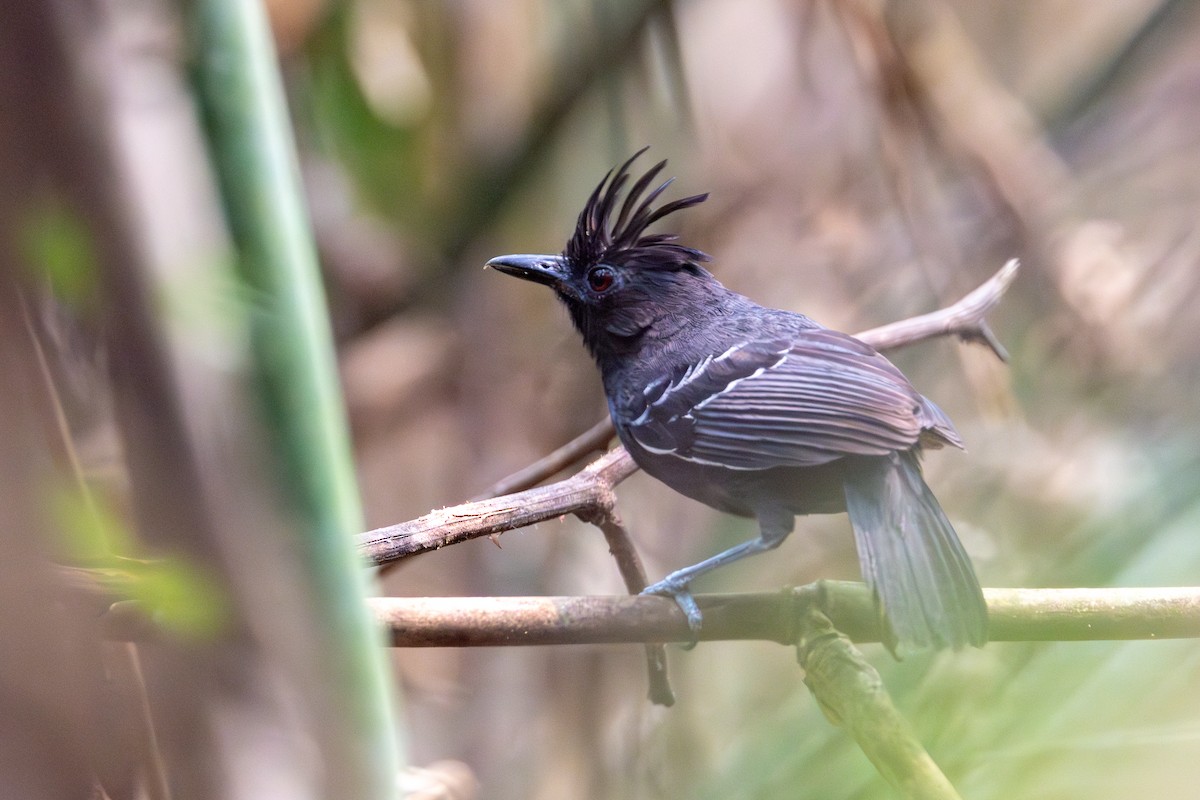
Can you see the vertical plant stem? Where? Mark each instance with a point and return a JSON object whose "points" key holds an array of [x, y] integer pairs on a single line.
{"points": [[243, 104]]}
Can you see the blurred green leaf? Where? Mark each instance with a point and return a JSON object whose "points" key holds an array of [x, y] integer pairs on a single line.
{"points": [[181, 597], [384, 159], [56, 243]]}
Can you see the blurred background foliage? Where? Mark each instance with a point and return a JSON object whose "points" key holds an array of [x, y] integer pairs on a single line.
{"points": [[868, 160]]}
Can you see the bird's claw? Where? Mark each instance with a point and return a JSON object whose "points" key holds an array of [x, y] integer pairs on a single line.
{"points": [[680, 591]]}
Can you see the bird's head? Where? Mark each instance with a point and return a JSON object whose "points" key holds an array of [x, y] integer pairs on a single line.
{"points": [[618, 282]]}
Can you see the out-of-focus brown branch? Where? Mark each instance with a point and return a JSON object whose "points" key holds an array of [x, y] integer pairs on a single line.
{"points": [[593, 440], [125, 667], [978, 120], [966, 319], [1014, 615]]}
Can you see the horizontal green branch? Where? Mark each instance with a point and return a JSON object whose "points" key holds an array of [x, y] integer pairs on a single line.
{"points": [[1014, 615]]}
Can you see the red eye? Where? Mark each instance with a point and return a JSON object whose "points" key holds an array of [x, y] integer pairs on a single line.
{"points": [[601, 279]]}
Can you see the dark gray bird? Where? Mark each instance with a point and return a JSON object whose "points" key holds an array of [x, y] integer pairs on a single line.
{"points": [[760, 412]]}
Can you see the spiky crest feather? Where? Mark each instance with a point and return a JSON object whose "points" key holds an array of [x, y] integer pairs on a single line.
{"points": [[598, 238]]}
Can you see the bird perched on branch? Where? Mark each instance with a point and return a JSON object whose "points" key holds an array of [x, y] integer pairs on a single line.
{"points": [[759, 412]]}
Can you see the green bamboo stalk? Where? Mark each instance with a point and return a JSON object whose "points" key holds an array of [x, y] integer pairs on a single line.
{"points": [[242, 100]]}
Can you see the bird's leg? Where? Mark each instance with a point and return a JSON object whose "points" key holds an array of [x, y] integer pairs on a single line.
{"points": [[677, 585], [774, 526]]}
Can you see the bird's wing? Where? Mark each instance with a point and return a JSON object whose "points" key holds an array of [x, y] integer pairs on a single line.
{"points": [[806, 399]]}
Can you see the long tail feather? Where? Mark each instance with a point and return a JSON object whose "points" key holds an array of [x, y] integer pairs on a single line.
{"points": [[911, 558]]}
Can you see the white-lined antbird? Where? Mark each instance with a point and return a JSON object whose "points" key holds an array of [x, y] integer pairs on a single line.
{"points": [[760, 412]]}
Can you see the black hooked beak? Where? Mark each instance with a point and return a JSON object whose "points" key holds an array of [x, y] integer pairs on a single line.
{"points": [[548, 270]]}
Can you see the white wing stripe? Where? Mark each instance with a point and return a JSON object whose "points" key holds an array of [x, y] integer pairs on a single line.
{"points": [[693, 372]]}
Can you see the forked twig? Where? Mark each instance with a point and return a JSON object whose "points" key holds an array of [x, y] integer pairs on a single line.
{"points": [[588, 494]]}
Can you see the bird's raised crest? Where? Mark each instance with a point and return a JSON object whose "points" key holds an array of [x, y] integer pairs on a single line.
{"points": [[622, 241]]}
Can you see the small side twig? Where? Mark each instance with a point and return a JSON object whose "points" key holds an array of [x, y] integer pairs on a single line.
{"points": [[594, 440]]}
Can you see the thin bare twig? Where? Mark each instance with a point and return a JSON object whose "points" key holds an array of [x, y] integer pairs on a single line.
{"points": [[589, 489], [594, 440], [848, 689], [1014, 615]]}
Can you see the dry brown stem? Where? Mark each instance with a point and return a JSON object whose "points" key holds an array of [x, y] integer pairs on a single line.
{"points": [[588, 491]]}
